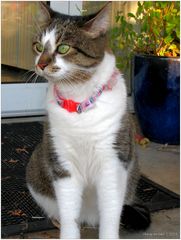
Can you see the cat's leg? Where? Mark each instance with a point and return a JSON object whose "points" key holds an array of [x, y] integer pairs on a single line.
{"points": [[69, 198], [111, 189]]}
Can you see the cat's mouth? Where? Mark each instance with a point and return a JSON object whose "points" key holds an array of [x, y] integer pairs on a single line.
{"points": [[56, 74], [52, 76]]}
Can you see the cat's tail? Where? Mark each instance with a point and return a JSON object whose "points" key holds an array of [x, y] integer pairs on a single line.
{"points": [[135, 217]]}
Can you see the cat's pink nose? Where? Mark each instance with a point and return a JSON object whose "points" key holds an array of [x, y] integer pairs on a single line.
{"points": [[42, 65]]}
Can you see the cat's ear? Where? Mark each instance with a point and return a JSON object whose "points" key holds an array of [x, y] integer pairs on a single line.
{"points": [[45, 13], [99, 23]]}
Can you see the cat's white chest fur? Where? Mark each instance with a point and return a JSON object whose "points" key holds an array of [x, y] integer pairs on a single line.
{"points": [[82, 140]]}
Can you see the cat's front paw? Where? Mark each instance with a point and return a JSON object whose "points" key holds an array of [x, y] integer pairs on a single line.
{"points": [[108, 235], [69, 232], [69, 235]]}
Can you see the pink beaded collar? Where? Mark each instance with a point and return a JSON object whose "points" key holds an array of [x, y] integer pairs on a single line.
{"points": [[79, 107]]}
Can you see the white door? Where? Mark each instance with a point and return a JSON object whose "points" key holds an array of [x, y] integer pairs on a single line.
{"points": [[26, 98]]}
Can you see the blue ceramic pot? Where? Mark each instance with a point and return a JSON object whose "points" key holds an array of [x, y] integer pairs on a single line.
{"points": [[156, 86]]}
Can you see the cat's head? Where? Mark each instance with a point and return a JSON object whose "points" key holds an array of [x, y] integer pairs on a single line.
{"points": [[69, 48]]}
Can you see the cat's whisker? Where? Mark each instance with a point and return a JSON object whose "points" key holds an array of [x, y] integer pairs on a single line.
{"points": [[69, 83], [31, 76], [35, 79], [78, 79], [26, 73], [82, 69], [31, 70], [72, 83], [28, 77]]}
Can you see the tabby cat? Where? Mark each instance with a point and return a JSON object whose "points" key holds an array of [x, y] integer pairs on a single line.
{"points": [[84, 171]]}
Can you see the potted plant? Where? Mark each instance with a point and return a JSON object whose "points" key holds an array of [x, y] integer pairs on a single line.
{"points": [[153, 43]]}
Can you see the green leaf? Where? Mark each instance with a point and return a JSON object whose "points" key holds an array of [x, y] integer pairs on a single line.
{"points": [[164, 4], [139, 10], [157, 15], [139, 4], [168, 17], [174, 10], [131, 15], [145, 26], [156, 31], [147, 4], [170, 27], [172, 47], [168, 39], [117, 18]]}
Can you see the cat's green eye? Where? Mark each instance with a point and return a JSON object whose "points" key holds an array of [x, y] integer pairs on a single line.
{"points": [[39, 47], [63, 48]]}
